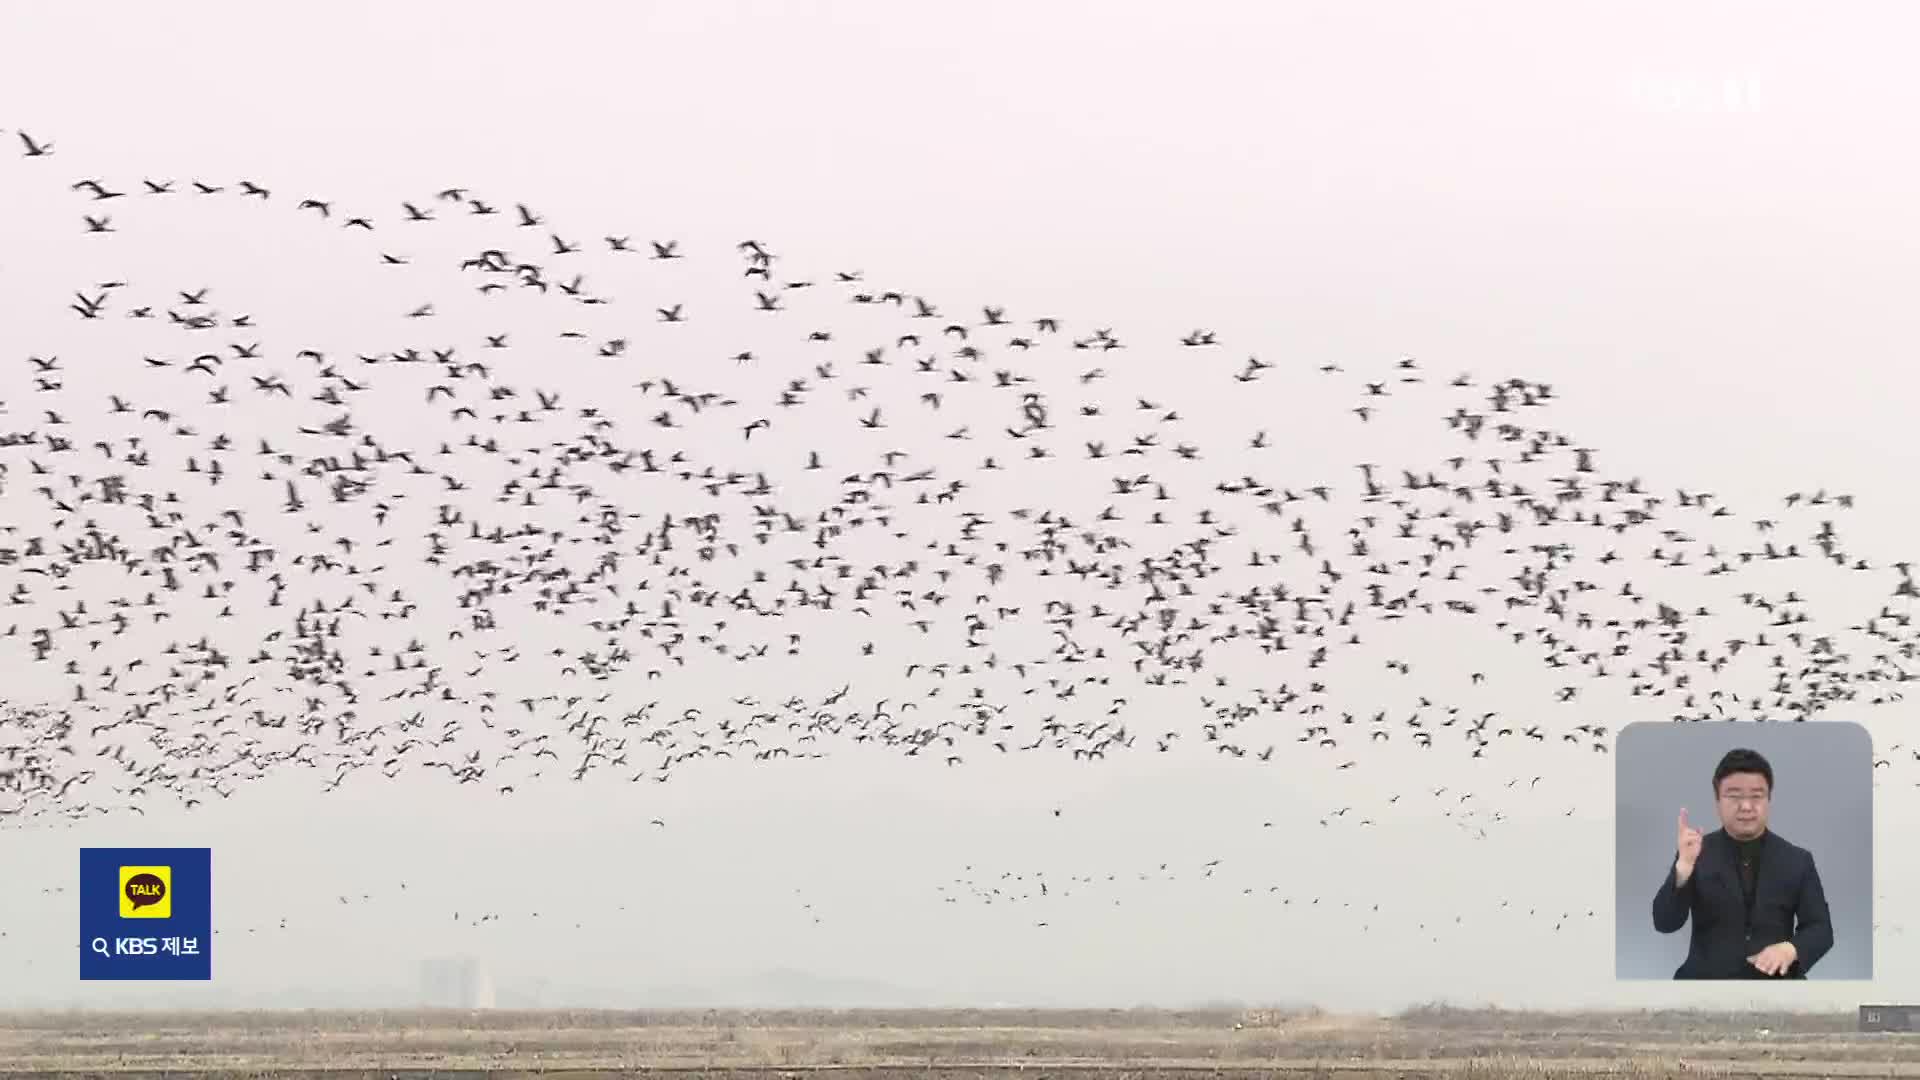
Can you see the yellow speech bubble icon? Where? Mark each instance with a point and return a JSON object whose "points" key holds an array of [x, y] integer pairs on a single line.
{"points": [[146, 892]]}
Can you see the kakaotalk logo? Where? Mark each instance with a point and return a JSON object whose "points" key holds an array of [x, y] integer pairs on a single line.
{"points": [[146, 892]]}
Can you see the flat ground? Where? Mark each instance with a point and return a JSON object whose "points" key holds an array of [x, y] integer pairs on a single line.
{"points": [[949, 1045]]}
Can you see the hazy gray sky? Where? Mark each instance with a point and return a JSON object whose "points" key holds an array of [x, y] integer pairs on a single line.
{"points": [[1695, 223]]}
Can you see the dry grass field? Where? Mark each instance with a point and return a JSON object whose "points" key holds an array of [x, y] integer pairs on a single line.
{"points": [[948, 1044]]}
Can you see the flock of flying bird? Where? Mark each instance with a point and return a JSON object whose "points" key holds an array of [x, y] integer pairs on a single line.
{"points": [[520, 526]]}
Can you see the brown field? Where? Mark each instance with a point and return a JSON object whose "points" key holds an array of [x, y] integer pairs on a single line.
{"points": [[948, 1044]]}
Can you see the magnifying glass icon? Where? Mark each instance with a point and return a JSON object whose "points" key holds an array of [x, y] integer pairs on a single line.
{"points": [[100, 946]]}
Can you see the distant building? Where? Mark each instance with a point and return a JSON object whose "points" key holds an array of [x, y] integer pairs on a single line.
{"points": [[456, 982], [1890, 1018]]}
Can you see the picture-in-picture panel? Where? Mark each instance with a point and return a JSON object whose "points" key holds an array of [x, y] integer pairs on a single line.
{"points": [[1743, 850]]}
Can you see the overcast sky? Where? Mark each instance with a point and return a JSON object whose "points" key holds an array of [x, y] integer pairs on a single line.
{"points": [[1695, 222]]}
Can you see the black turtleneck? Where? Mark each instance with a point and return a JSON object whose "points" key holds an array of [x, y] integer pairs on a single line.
{"points": [[1747, 852]]}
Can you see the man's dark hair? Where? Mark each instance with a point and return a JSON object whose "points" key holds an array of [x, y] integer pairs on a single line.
{"points": [[1742, 761]]}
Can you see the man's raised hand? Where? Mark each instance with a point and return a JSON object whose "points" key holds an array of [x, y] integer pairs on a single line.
{"points": [[1687, 850]]}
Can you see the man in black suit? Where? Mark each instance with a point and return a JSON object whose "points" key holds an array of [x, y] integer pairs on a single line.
{"points": [[1757, 907]]}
